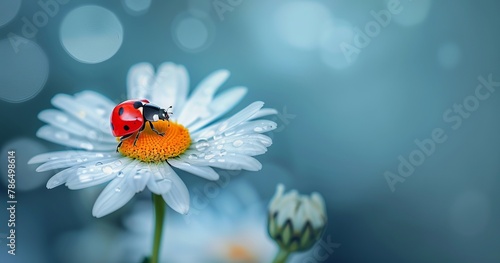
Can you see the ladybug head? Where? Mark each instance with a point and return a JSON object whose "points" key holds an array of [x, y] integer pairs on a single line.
{"points": [[164, 114]]}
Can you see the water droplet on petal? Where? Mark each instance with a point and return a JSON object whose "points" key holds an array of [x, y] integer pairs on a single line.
{"points": [[107, 169], [211, 161], [237, 143], [218, 136], [118, 162], [202, 145], [193, 156], [98, 164], [258, 129], [221, 160], [118, 189], [120, 174], [86, 145], [222, 152], [219, 147], [209, 156]]}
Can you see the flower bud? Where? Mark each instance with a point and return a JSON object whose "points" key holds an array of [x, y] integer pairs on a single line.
{"points": [[296, 221]]}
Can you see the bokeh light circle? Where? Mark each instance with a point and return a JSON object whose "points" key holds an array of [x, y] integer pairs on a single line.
{"points": [[136, 7], [301, 23], [193, 32], [24, 69], [413, 12], [91, 34], [27, 178], [331, 42], [470, 213], [8, 10], [449, 55]]}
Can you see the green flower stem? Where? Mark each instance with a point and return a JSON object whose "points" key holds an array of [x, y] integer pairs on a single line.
{"points": [[281, 257], [159, 210]]}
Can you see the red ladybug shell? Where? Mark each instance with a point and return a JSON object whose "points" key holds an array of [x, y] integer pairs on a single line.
{"points": [[127, 118]]}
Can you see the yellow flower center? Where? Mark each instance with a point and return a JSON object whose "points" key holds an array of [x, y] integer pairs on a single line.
{"points": [[151, 147], [239, 253]]}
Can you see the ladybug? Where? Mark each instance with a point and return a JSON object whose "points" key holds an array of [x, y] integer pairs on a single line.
{"points": [[131, 116]]}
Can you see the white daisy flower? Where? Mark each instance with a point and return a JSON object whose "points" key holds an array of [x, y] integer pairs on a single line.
{"points": [[195, 138]]}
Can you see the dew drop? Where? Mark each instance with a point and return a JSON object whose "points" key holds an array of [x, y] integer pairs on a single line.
{"points": [[202, 145], [98, 164], [218, 137], [222, 152], [86, 145], [237, 143], [258, 129], [100, 110], [193, 156], [118, 189], [118, 162], [219, 147], [209, 156], [221, 160], [120, 174], [107, 169], [211, 161]]}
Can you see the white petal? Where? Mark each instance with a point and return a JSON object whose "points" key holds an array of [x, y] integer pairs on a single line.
{"points": [[286, 211], [225, 125], [202, 171], [165, 85], [93, 117], [61, 177], [50, 156], [314, 216], [98, 173], [63, 163], [158, 182], [96, 100], [53, 134], [258, 126], [178, 197], [220, 106], [302, 214], [138, 176], [280, 189], [231, 161], [197, 104], [72, 125], [139, 80], [263, 112], [182, 89], [116, 194]]}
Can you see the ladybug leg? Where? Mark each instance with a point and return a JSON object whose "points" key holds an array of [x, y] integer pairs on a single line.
{"points": [[121, 141], [153, 128], [139, 132]]}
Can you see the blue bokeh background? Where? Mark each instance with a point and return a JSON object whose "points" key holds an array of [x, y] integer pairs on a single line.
{"points": [[344, 121]]}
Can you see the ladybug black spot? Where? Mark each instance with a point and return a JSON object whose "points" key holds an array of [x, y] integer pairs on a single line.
{"points": [[112, 126], [126, 127], [120, 111], [138, 104]]}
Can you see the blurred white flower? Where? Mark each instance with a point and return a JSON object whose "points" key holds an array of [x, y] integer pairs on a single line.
{"points": [[83, 123], [231, 228], [296, 222]]}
